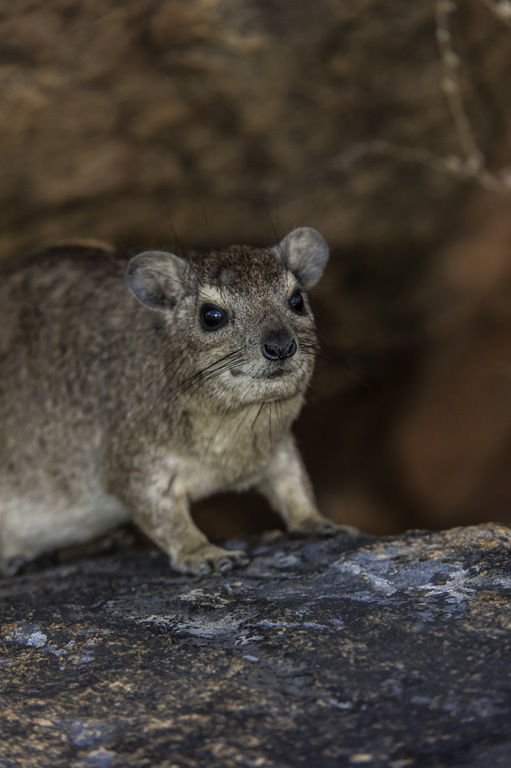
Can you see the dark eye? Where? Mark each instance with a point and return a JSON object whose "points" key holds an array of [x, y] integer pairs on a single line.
{"points": [[212, 318], [296, 303]]}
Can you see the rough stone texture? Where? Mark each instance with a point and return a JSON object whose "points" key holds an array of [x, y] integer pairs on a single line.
{"points": [[389, 653]]}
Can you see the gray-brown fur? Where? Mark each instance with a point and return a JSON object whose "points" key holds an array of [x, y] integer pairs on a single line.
{"points": [[116, 404]]}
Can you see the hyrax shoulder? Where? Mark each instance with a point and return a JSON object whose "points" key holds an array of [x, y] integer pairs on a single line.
{"points": [[132, 386]]}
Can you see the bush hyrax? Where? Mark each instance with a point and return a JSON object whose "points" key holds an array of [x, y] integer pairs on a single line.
{"points": [[130, 388]]}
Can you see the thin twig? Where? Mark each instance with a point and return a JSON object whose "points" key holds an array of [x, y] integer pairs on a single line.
{"points": [[471, 166], [451, 87]]}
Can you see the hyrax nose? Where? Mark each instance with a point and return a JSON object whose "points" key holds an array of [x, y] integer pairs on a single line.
{"points": [[278, 345]]}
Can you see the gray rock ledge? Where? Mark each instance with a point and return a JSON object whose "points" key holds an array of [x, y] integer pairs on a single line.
{"points": [[390, 652]]}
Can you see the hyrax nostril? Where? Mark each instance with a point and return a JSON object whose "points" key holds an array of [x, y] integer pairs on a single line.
{"points": [[278, 345]]}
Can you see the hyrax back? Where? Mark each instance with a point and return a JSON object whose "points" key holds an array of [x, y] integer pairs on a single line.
{"points": [[131, 387]]}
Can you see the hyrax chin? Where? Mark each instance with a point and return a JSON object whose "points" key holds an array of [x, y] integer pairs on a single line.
{"points": [[130, 388]]}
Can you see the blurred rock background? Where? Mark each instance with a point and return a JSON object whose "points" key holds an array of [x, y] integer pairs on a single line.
{"points": [[385, 124]]}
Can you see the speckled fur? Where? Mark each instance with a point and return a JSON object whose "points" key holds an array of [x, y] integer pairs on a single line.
{"points": [[111, 410]]}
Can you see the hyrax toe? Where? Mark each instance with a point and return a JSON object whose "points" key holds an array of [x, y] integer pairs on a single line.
{"points": [[320, 526], [209, 559]]}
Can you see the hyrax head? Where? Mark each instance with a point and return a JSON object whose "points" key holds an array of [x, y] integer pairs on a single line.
{"points": [[239, 319]]}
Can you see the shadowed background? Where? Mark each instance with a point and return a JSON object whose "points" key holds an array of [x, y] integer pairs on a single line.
{"points": [[384, 124]]}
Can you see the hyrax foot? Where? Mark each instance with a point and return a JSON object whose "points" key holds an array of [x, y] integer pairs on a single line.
{"points": [[209, 559], [320, 526]]}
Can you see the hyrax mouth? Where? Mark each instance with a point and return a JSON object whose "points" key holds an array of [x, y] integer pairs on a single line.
{"points": [[263, 375], [276, 374]]}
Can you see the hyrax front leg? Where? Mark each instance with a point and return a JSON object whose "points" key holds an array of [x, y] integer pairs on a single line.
{"points": [[287, 487], [162, 512]]}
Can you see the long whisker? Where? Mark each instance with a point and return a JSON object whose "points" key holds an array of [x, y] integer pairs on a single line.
{"points": [[218, 366], [176, 238], [225, 363], [315, 349], [259, 411], [219, 428], [278, 246]]}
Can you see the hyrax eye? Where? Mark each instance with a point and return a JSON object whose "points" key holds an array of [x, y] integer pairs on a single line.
{"points": [[212, 317], [296, 303]]}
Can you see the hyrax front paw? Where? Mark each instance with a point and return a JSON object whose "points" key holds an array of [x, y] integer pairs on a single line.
{"points": [[209, 559], [320, 526]]}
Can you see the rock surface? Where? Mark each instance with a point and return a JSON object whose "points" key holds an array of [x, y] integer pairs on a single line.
{"points": [[390, 652]]}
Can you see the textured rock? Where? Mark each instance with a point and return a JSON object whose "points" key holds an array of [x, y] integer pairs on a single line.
{"points": [[115, 114], [380, 652]]}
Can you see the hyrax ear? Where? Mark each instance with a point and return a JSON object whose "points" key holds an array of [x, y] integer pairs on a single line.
{"points": [[306, 254], [157, 279]]}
